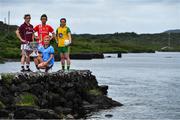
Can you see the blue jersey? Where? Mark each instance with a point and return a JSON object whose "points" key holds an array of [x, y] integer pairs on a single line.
{"points": [[46, 53]]}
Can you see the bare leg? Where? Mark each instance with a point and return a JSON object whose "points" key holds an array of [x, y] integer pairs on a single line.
{"points": [[36, 62], [43, 65], [62, 60], [28, 58], [28, 61], [23, 57], [68, 60]]}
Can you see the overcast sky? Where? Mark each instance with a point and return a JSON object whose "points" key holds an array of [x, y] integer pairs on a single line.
{"points": [[98, 16]]}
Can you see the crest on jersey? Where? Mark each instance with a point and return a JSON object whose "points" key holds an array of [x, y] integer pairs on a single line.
{"points": [[60, 35]]}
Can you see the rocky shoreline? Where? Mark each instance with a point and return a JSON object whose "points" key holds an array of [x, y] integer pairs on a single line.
{"points": [[57, 95]]}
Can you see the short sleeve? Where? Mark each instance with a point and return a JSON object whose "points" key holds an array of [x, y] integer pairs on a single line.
{"points": [[51, 29], [36, 28], [21, 28], [52, 50], [32, 27], [68, 30], [40, 49], [56, 31]]}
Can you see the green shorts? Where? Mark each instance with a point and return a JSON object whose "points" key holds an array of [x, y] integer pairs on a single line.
{"points": [[64, 49]]}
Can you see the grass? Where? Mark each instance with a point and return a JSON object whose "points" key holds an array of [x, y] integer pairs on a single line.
{"points": [[95, 92], [2, 105], [27, 99]]}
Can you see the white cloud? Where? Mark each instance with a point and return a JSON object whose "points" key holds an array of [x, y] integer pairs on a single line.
{"points": [[99, 16]]}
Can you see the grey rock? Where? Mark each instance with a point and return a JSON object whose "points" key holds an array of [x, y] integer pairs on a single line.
{"points": [[108, 115], [4, 113], [57, 94]]}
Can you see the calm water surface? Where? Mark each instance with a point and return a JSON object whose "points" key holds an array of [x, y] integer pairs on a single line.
{"points": [[147, 84]]}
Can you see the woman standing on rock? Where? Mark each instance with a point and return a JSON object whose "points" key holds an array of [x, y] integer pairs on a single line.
{"points": [[63, 36], [25, 34]]}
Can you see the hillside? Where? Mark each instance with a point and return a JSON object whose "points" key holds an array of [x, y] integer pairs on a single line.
{"points": [[4, 27], [173, 31], [101, 43]]}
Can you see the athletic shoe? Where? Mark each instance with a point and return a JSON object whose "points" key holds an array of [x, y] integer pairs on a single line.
{"points": [[23, 70]]}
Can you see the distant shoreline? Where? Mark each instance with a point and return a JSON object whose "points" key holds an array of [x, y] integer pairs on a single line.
{"points": [[88, 46], [83, 56]]}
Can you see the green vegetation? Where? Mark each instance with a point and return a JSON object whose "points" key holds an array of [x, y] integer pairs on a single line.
{"points": [[106, 43], [95, 92], [124, 42], [2, 105], [27, 99], [7, 77], [9, 46]]}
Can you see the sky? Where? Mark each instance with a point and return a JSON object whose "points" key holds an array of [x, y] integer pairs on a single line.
{"points": [[98, 16]]}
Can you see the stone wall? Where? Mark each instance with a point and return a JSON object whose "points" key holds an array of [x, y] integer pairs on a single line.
{"points": [[52, 95]]}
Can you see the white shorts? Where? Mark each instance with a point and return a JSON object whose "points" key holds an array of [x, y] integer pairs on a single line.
{"points": [[26, 47]]}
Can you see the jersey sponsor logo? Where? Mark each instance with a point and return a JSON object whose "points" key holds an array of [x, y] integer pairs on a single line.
{"points": [[60, 35], [43, 32], [28, 32]]}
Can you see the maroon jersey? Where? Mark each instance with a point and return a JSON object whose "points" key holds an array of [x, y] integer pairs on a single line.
{"points": [[26, 32]]}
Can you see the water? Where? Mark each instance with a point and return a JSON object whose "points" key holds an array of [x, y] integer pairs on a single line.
{"points": [[147, 84]]}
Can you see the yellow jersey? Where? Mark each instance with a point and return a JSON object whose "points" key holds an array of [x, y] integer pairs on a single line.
{"points": [[62, 35]]}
